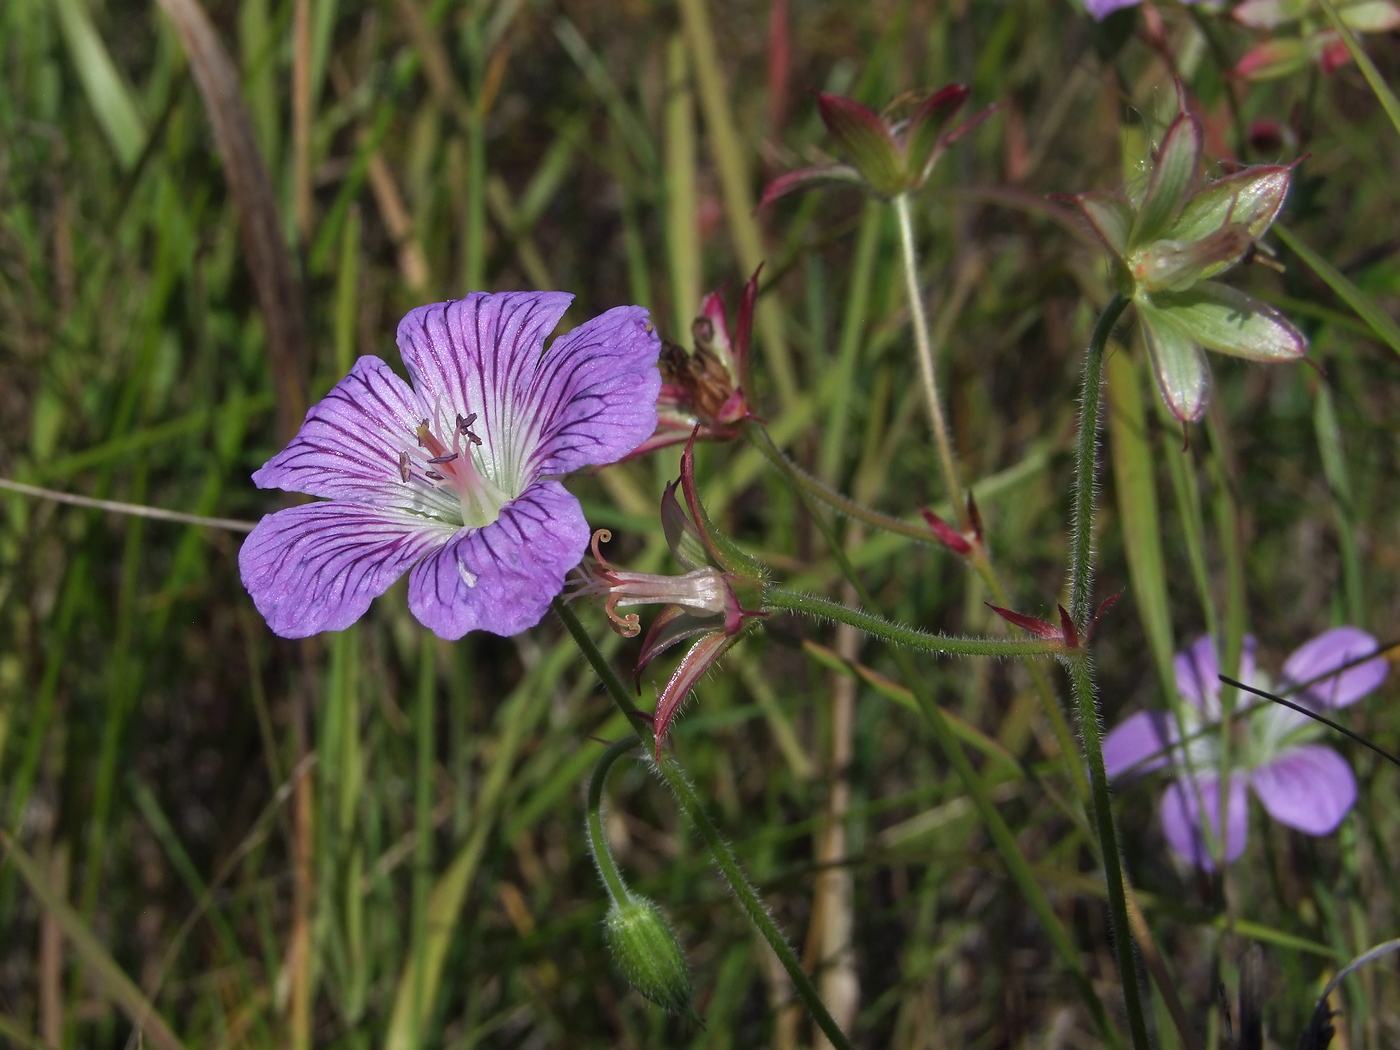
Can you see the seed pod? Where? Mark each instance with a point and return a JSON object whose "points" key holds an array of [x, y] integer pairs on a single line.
{"points": [[648, 954]]}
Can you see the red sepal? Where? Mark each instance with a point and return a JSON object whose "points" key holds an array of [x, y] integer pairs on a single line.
{"points": [[1034, 625], [950, 537]]}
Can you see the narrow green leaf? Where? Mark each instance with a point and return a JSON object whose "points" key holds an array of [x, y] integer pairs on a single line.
{"points": [[1382, 324], [1382, 91], [1133, 482], [113, 979], [107, 91], [1229, 321]]}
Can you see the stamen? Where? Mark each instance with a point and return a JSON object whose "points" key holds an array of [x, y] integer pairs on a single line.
{"points": [[403, 466], [444, 459]]}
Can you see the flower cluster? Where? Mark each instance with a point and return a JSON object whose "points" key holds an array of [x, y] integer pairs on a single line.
{"points": [[454, 478], [1302, 784], [1169, 239], [719, 595]]}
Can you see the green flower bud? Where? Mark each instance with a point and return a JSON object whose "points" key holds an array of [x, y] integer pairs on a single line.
{"points": [[648, 954]]}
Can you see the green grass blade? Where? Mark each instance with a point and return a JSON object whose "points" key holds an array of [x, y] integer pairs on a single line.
{"points": [[107, 91], [1133, 482], [113, 979], [1381, 323], [1384, 95]]}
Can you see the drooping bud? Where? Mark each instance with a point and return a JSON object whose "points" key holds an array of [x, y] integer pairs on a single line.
{"points": [[646, 951]]}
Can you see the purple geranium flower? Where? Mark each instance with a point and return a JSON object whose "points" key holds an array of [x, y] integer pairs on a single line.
{"points": [[1304, 785], [454, 477], [1101, 9]]}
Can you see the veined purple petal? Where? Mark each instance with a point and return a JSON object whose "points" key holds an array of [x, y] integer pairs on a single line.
{"points": [[480, 354], [317, 567], [1196, 671], [1198, 674], [1181, 818], [593, 398], [501, 578], [1310, 788], [1139, 744], [1101, 9], [349, 445], [1330, 650]]}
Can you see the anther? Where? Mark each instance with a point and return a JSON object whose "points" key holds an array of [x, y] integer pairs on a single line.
{"points": [[403, 466], [422, 429], [464, 423], [473, 438], [434, 475], [444, 459]]}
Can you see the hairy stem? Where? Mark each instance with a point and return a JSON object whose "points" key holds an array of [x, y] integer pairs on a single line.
{"points": [[775, 598], [758, 437], [668, 769], [1081, 669], [597, 840]]}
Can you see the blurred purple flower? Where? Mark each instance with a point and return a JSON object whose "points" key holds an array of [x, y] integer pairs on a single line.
{"points": [[1303, 785], [1101, 9], [454, 477]]}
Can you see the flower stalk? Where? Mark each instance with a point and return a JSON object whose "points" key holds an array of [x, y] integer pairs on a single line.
{"points": [[670, 771], [779, 598], [924, 349], [1081, 668]]}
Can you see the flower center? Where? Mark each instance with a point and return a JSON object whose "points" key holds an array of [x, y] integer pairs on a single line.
{"points": [[453, 469]]}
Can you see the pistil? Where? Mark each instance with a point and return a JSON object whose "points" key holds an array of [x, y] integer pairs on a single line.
{"points": [[480, 497]]}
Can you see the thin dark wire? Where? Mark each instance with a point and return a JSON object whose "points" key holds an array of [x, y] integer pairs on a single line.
{"points": [[1311, 714]]}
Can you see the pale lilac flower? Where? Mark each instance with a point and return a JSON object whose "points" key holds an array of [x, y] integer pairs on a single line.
{"points": [[1304, 785], [1101, 9], [453, 479]]}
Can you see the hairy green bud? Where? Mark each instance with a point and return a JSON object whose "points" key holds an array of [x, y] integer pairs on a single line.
{"points": [[648, 954]]}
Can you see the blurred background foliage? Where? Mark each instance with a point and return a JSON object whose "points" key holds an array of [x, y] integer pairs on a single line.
{"points": [[375, 839]]}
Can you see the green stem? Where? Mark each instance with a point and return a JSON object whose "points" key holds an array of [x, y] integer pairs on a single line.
{"points": [[810, 488], [680, 785], [1081, 566], [1081, 669], [775, 598], [758, 437], [423, 822], [597, 840], [922, 345], [1016, 863]]}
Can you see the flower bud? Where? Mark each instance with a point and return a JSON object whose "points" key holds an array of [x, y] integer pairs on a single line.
{"points": [[648, 954]]}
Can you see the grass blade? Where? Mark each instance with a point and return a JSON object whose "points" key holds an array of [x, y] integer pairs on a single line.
{"points": [[1381, 323], [118, 986], [269, 261]]}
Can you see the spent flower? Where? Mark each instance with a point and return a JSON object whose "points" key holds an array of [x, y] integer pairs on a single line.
{"points": [[1169, 239], [703, 391], [453, 479], [1304, 785], [716, 599], [890, 153]]}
